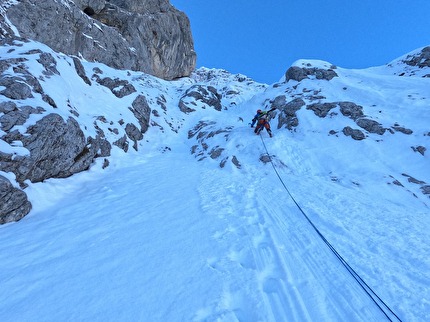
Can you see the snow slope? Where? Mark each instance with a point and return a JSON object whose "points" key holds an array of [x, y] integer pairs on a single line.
{"points": [[164, 234]]}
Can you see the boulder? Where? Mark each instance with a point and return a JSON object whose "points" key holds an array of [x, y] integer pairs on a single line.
{"points": [[402, 129], [420, 149], [17, 116], [15, 88], [142, 112], [120, 88], [351, 110], [14, 204], [134, 134], [300, 73], [371, 126], [354, 133]]}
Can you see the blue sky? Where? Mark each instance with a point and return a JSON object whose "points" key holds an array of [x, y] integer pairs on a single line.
{"points": [[261, 39]]}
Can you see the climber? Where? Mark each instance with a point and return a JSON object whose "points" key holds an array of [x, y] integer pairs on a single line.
{"points": [[263, 122]]}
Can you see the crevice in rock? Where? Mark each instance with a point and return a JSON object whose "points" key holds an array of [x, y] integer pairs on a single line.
{"points": [[89, 11]]}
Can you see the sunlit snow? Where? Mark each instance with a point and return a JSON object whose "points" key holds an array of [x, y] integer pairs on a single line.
{"points": [[161, 236]]}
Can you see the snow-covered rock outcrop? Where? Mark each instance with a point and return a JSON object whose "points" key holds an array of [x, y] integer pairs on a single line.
{"points": [[303, 69]]}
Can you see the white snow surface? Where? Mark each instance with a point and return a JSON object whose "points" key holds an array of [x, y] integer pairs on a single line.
{"points": [[162, 234]]}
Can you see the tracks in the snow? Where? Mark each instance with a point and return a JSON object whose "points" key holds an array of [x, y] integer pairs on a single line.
{"points": [[274, 260]]}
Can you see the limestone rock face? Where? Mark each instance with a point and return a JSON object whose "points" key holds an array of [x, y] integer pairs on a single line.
{"points": [[147, 35], [57, 149]]}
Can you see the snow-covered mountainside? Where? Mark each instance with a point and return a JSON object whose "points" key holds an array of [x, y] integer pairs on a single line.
{"points": [[185, 214]]}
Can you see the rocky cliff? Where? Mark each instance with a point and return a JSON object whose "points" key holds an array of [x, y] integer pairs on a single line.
{"points": [[141, 35]]}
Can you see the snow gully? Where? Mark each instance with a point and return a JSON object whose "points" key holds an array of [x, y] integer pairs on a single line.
{"points": [[388, 312]]}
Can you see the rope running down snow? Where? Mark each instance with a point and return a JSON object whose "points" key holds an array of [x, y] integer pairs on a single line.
{"points": [[369, 291]]}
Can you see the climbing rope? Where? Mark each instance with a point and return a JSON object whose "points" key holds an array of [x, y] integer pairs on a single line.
{"points": [[369, 291]]}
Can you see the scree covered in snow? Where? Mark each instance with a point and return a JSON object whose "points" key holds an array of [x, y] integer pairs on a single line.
{"points": [[199, 223]]}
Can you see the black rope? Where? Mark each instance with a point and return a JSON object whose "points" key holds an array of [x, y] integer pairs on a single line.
{"points": [[369, 291]]}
